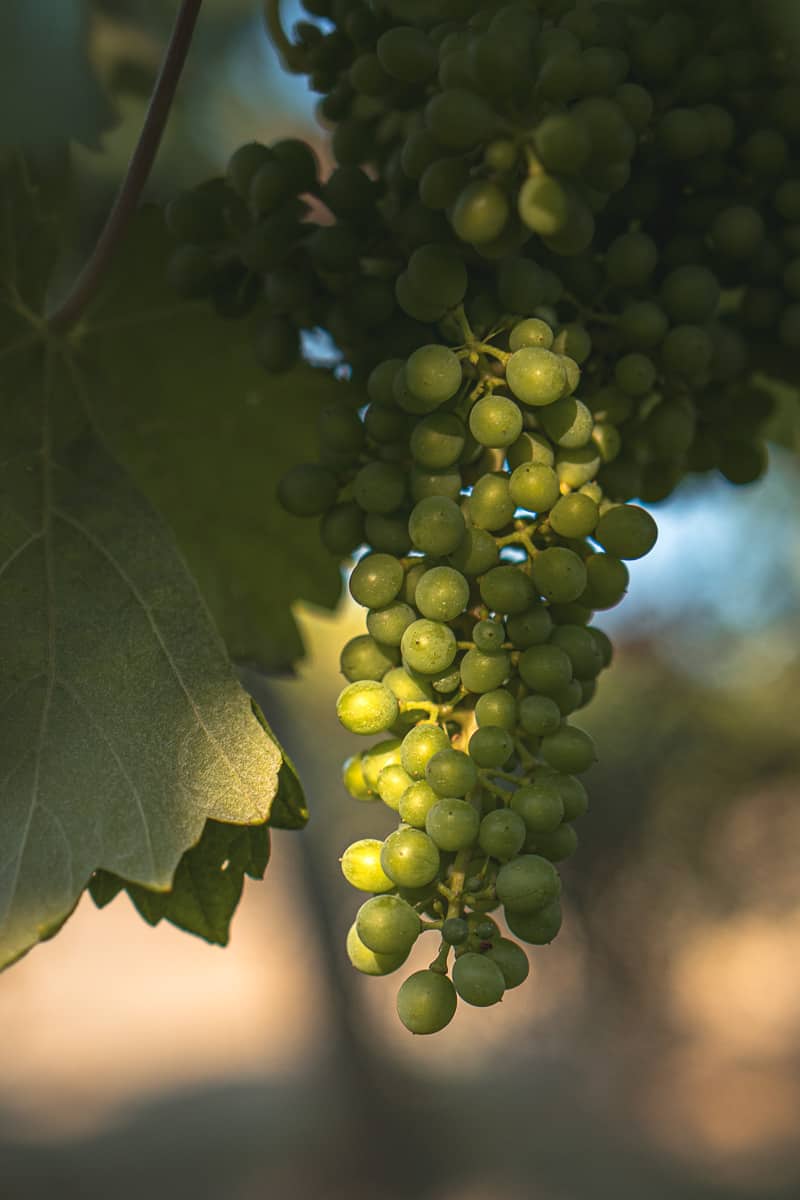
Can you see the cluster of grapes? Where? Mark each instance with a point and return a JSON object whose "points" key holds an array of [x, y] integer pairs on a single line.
{"points": [[561, 238]]}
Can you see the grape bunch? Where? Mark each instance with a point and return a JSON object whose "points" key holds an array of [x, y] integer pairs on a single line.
{"points": [[558, 254]]}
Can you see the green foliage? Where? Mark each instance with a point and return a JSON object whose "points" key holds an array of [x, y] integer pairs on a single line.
{"points": [[206, 433], [127, 744]]}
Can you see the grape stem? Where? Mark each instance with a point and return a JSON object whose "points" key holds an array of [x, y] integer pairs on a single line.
{"points": [[458, 874], [290, 54], [86, 285]]}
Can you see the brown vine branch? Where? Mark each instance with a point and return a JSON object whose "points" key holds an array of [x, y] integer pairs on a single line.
{"points": [[139, 167]]}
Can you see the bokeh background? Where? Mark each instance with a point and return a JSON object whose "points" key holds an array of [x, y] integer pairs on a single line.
{"points": [[655, 1052]]}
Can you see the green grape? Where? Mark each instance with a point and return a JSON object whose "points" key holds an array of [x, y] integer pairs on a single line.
{"points": [[536, 376], [580, 646], [607, 580], [737, 232], [436, 525], [537, 928], [361, 866], [568, 697], [452, 824], [387, 625], [363, 658], [631, 260], [643, 324], [433, 375], [393, 783], [405, 687], [523, 285], [531, 332], [376, 580], [448, 682], [687, 350], [512, 961], [574, 343], [416, 802], [367, 707], [380, 384], [495, 421], [451, 772], [561, 76], [438, 441], [534, 486], [426, 1002], [482, 672], [442, 594], [459, 119], [507, 589], [545, 668], [435, 483], [379, 487], [604, 645], [497, 707], [609, 442], [407, 54], [307, 490], [440, 185], [478, 980], [491, 505], [428, 646], [574, 516], [455, 931], [438, 271], [388, 534], [367, 961], [568, 422], [420, 745], [527, 884], [556, 846], [690, 295], [530, 628], [636, 103], [491, 746], [543, 205], [243, 165], [417, 304], [488, 635], [387, 925], [476, 553], [682, 135], [539, 805], [626, 531], [635, 374], [410, 858], [539, 715], [502, 834], [353, 779], [561, 144], [559, 574], [569, 750], [299, 160], [480, 212]]}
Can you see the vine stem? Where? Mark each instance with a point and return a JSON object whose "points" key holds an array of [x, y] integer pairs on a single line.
{"points": [[85, 286], [287, 50]]}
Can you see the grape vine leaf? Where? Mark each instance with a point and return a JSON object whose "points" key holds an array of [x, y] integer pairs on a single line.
{"points": [[207, 433], [124, 729], [207, 885]]}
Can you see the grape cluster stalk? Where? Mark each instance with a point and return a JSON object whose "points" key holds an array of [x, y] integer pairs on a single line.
{"points": [[559, 249]]}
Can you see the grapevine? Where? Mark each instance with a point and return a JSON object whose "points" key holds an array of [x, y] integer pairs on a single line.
{"points": [[554, 249]]}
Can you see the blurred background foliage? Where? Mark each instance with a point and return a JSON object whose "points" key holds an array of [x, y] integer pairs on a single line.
{"points": [[657, 1053]]}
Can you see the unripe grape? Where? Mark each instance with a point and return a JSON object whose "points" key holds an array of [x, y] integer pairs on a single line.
{"points": [[626, 531], [496, 707], [559, 574], [416, 802], [527, 883], [539, 805], [387, 925], [367, 707], [455, 931], [361, 866], [538, 927], [507, 589], [410, 858], [353, 779], [539, 715], [536, 376], [569, 750], [426, 1002], [512, 961], [393, 783], [478, 980], [419, 746], [367, 961], [452, 824], [363, 658], [428, 646], [502, 834], [555, 846], [442, 594], [451, 772], [482, 672], [495, 421], [436, 526]]}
